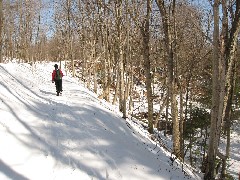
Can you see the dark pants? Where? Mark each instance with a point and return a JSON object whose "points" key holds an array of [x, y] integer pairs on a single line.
{"points": [[58, 84]]}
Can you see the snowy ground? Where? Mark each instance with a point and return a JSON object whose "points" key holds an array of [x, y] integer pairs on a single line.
{"points": [[234, 161], [73, 136]]}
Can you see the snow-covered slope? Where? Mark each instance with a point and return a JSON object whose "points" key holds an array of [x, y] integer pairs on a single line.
{"points": [[73, 136]]}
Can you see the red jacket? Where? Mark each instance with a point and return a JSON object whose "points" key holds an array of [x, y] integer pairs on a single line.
{"points": [[54, 74]]}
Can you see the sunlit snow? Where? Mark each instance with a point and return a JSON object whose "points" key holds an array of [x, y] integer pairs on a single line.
{"points": [[73, 136]]}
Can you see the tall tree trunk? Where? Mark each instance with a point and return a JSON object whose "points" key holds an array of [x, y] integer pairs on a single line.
{"points": [[231, 47], [146, 55], [37, 40], [227, 121], [9, 29], [210, 166], [70, 37], [107, 74], [120, 56], [170, 48], [221, 105]]}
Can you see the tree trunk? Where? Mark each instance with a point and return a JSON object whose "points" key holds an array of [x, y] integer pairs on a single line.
{"points": [[162, 106], [221, 105], [227, 121], [181, 125], [147, 65], [118, 9], [95, 66], [210, 166], [167, 114], [130, 93], [70, 38], [117, 88], [1, 30], [231, 47], [107, 76], [170, 48], [191, 135]]}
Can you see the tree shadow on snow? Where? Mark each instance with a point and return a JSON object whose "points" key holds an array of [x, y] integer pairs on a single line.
{"points": [[73, 134], [9, 172]]}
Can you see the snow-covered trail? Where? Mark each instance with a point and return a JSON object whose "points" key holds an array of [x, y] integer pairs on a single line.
{"points": [[74, 136]]}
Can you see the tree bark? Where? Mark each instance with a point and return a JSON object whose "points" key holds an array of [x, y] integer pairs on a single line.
{"points": [[227, 120], [118, 9], [1, 30], [170, 48], [210, 166], [70, 38], [221, 102], [147, 65], [181, 125]]}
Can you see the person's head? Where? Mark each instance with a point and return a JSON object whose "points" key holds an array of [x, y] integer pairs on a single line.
{"points": [[56, 66]]}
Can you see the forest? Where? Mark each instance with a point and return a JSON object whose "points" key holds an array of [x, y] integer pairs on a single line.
{"points": [[180, 58]]}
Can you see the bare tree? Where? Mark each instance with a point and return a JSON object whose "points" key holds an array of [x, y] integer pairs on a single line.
{"points": [[168, 21], [145, 30], [222, 82], [229, 57]]}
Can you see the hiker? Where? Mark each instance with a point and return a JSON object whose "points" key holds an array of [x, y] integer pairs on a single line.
{"points": [[57, 78]]}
